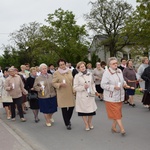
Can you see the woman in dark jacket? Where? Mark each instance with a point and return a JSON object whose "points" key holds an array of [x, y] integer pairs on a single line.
{"points": [[32, 100], [146, 77]]}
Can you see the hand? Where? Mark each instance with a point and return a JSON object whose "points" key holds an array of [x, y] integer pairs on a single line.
{"points": [[25, 92], [63, 84], [97, 78], [129, 81], [32, 89], [141, 89], [11, 87], [126, 86], [132, 88], [117, 88], [132, 81], [140, 80], [86, 86], [97, 94]]}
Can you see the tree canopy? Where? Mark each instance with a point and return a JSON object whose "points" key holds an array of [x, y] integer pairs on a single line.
{"points": [[36, 43], [108, 18], [69, 37], [138, 25]]}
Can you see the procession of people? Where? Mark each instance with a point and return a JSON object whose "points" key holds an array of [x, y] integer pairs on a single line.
{"points": [[44, 88]]}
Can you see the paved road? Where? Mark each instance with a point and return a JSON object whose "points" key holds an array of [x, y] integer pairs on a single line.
{"points": [[39, 137]]}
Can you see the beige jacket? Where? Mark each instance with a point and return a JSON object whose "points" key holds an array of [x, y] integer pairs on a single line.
{"points": [[65, 96], [18, 89], [84, 102], [110, 79], [4, 95], [49, 90]]}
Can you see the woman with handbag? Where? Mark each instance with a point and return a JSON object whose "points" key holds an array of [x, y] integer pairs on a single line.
{"points": [[32, 94], [85, 95]]}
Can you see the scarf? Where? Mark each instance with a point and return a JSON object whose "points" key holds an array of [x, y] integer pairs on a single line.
{"points": [[112, 71], [62, 71], [84, 72]]}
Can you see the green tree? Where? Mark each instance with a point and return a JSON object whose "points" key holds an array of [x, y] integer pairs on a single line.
{"points": [[108, 18], [27, 40], [138, 25], [69, 39], [10, 57]]}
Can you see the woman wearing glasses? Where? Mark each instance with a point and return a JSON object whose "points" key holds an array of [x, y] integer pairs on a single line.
{"points": [[113, 84]]}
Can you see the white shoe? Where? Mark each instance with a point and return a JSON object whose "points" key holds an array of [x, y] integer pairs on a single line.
{"points": [[13, 119], [8, 118], [22, 119], [48, 124], [52, 120]]}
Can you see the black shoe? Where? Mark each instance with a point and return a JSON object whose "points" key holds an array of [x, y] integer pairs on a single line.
{"points": [[37, 120], [131, 104], [68, 127]]}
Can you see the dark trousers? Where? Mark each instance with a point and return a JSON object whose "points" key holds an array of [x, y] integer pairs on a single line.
{"points": [[67, 114], [18, 102]]}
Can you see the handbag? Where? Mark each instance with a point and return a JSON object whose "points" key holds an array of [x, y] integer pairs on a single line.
{"points": [[32, 96], [7, 99]]}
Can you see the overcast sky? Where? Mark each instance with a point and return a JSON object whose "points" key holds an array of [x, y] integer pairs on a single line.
{"points": [[14, 13]]}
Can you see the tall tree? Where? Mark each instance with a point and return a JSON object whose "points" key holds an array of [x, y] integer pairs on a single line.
{"points": [[108, 17], [10, 57], [69, 38], [27, 42], [138, 25]]}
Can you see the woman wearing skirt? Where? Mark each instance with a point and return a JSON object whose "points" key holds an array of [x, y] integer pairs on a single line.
{"points": [[46, 94], [34, 105], [113, 84], [85, 95]]}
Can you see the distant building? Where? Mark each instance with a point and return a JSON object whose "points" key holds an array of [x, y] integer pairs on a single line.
{"points": [[101, 49]]}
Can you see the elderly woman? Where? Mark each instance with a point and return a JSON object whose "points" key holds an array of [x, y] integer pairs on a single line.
{"points": [[89, 67], [46, 94], [98, 73], [62, 81], [113, 84], [85, 95], [24, 75], [32, 96], [129, 74], [15, 87]]}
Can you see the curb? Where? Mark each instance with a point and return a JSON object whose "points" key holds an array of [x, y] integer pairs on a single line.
{"points": [[24, 145]]}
